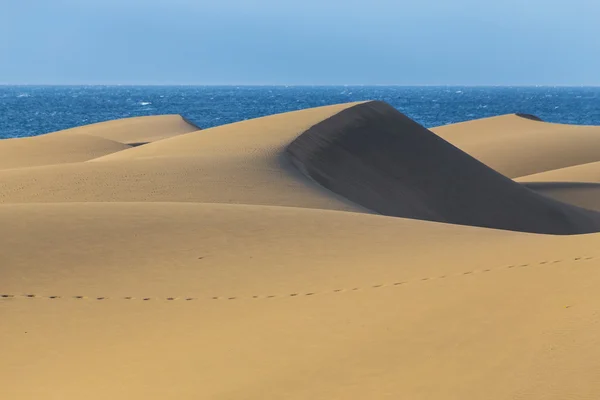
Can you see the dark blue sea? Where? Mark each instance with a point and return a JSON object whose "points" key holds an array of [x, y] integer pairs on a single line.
{"points": [[34, 110]]}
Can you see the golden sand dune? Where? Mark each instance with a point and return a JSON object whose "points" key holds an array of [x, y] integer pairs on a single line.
{"points": [[138, 130], [241, 163], [260, 302], [259, 140], [122, 277], [54, 148], [519, 145], [91, 141]]}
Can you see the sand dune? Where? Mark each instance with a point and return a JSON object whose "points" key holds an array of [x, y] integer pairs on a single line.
{"points": [[139, 130], [246, 163], [89, 142], [55, 148], [517, 146], [555, 160], [378, 158], [224, 264], [241, 163]]}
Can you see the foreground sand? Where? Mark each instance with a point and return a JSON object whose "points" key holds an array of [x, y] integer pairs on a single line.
{"points": [[211, 264]]}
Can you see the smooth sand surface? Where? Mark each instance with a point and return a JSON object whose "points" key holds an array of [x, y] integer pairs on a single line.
{"points": [[241, 163], [581, 194], [89, 142], [589, 172], [517, 146], [224, 264], [54, 148], [139, 130]]}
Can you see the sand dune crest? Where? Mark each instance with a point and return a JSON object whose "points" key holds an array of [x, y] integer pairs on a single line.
{"points": [[54, 148], [138, 130], [379, 158]]}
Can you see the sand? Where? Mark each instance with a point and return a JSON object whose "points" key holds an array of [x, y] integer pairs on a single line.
{"points": [[89, 142], [55, 148], [517, 146], [138, 130], [381, 159], [221, 264]]}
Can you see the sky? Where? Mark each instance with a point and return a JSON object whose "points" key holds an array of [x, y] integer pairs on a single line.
{"points": [[300, 42]]}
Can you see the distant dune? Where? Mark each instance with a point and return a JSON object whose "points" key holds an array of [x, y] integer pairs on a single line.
{"points": [[145, 258], [55, 148], [92, 141], [139, 130], [517, 145], [588, 172]]}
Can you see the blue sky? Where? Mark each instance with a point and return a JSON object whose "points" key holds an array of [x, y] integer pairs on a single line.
{"points": [[434, 42]]}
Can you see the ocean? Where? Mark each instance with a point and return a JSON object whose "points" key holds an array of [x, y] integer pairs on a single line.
{"points": [[34, 110]]}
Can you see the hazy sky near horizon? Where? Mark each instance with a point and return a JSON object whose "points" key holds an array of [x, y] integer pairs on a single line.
{"points": [[445, 42]]}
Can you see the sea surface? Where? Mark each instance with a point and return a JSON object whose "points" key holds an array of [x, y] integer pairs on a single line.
{"points": [[34, 110]]}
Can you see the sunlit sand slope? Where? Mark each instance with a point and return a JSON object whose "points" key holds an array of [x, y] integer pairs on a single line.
{"points": [[578, 173], [241, 163], [143, 301], [90, 141], [139, 130], [258, 140], [517, 145], [54, 148]]}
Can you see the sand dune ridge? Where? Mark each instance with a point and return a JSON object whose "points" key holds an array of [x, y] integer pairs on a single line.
{"points": [[379, 158]]}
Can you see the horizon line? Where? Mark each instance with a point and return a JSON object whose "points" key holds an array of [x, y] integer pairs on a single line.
{"points": [[292, 85]]}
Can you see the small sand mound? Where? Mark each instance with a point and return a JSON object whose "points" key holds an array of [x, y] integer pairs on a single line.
{"points": [[378, 158], [138, 130], [54, 148], [589, 172]]}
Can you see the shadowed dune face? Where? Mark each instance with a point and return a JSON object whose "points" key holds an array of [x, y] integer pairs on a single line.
{"points": [[529, 116], [581, 194], [379, 158], [528, 150]]}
